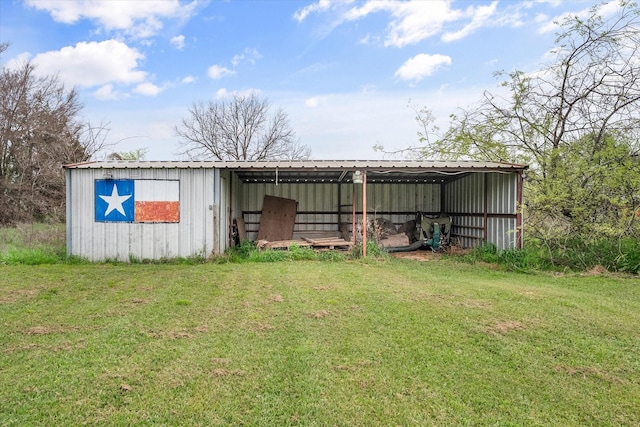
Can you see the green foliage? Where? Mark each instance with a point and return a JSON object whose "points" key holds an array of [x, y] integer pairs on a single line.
{"points": [[137, 154], [299, 253], [525, 260], [34, 256], [373, 251], [560, 254], [575, 123], [32, 244], [248, 252], [577, 254], [596, 196]]}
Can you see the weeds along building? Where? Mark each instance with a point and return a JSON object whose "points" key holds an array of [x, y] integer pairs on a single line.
{"points": [[136, 210]]}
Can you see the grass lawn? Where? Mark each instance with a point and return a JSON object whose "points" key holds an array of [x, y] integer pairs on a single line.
{"points": [[310, 343]]}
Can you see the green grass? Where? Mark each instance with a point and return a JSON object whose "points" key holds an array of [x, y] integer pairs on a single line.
{"points": [[33, 244], [311, 343]]}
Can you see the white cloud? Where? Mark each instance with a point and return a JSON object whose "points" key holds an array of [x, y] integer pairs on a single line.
{"points": [[217, 72], [189, 79], [136, 18], [107, 93], [248, 55], [315, 101], [93, 63], [416, 20], [480, 16], [224, 93], [178, 42], [147, 89], [301, 14], [421, 66]]}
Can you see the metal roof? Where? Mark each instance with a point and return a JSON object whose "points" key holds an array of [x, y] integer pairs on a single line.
{"points": [[323, 170]]}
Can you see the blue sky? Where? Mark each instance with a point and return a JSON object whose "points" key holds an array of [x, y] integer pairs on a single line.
{"points": [[344, 71]]}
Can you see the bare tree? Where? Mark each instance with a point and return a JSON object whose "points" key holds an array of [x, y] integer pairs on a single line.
{"points": [[238, 128], [39, 132]]}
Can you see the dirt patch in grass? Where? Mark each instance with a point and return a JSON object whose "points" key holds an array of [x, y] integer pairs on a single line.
{"points": [[273, 298], [65, 346], [475, 303], [319, 314], [505, 327], [222, 372], [597, 270], [428, 255], [14, 296], [258, 326], [177, 334], [46, 330], [586, 372], [452, 300], [417, 255]]}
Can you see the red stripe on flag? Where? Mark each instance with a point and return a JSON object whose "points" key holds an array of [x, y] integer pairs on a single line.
{"points": [[157, 212]]}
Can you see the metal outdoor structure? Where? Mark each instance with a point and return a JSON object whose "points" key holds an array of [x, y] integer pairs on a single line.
{"points": [[482, 198]]}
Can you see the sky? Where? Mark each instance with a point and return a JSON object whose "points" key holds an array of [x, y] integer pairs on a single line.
{"points": [[349, 74]]}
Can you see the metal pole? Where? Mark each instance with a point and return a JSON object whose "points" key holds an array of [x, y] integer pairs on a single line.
{"points": [[353, 215], [364, 214], [519, 220]]}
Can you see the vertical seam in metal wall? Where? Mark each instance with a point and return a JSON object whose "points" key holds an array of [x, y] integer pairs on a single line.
{"points": [[485, 211], [68, 210], [519, 222]]}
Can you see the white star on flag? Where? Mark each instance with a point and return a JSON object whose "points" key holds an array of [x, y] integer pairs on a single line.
{"points": [[115, 201]]}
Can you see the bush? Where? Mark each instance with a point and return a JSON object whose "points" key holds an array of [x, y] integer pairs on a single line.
{"points": [[248, 252], [573, 254]]}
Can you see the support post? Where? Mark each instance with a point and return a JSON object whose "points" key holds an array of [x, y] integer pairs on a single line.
{"points": [[519, 222], [485, 210], [353, 215], [364, 214]]}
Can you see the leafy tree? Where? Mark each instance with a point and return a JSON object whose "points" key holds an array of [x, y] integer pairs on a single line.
{"points": [[39, 132], [575, 122], [238, 128], [137, 154]]}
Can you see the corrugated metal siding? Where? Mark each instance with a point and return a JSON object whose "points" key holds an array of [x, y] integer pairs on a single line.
{"points": [[467, 231], [319, 201], [318, 204], [98, 241], [465, 201], [465, 195], [503, 191], [502, 232]]}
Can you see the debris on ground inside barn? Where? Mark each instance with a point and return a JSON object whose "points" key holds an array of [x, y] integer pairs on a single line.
{"points": [[316, 243]]}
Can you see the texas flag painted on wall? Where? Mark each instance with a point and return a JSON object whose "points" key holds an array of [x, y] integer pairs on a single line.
{"points": [[137, 200]]}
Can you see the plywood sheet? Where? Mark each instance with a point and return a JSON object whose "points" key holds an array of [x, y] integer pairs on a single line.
{"points": [[277, 219]]}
